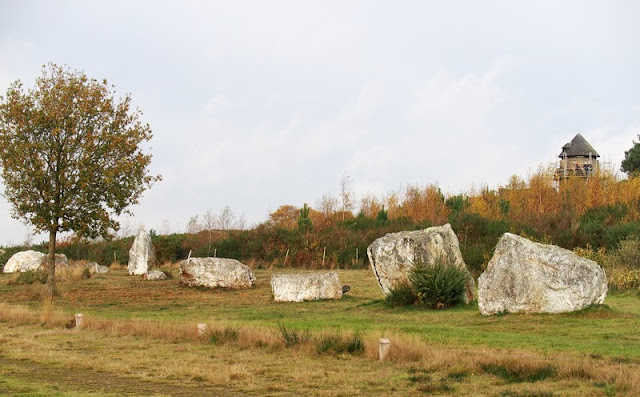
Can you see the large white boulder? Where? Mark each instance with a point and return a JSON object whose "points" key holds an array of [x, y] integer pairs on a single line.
{"points": [[141, 255], [31, 260], [392, 256], [216, 272], [528, 277], [306, 287]]}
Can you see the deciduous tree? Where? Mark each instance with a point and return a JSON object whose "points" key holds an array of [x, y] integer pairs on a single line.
{"points": [[71, 156]]}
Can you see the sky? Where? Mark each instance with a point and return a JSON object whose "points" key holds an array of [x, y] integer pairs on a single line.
{"points": [[257, 104]]}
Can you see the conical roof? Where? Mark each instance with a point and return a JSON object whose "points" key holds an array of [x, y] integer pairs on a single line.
{"points": [[578, 147]]}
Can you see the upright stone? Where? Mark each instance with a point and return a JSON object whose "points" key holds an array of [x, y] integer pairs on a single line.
{"points": [[306, 287], [31, 260], [141, 255], [216, 272], [523, 276], [392, 256]]}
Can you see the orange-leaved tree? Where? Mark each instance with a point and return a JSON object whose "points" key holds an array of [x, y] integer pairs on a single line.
{"points": [[71, 157]]}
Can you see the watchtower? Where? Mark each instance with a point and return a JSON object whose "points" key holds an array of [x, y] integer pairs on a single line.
{"points": [[577, 159]]}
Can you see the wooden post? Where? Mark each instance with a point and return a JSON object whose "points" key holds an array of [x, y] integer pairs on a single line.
{"points": [[79, 321], [115, 258], [385, 345], [357, 257], [285, 257], [215, 252], [324, 252]]}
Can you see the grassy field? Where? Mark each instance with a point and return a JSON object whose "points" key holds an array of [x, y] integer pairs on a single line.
{"points": [[141, 338]]}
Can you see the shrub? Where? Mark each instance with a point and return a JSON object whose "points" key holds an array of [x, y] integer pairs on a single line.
{"points": [[401, 294], [31, 277], [440, 285], [625, 280], [629, 253]]}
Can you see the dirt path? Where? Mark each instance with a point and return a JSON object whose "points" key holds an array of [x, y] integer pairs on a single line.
{"points": [[81, 380]]}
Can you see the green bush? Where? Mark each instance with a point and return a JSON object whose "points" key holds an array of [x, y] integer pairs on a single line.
{"points": [[440, 285], [401, 294], [628, 253]]}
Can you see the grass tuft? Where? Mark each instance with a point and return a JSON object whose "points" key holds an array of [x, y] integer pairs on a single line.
{"points": [[518, 371], [223, 336], [292, 337], [339, 344]]}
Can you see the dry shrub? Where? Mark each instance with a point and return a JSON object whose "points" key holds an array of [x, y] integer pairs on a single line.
{"points": [[117, 266], [146, 328], [625, 280], [20, 315], [170, 265], [72, 273], [17, 315]]}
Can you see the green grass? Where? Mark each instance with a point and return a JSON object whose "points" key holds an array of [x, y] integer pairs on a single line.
{"points": [[607, 334], [610, 331]]}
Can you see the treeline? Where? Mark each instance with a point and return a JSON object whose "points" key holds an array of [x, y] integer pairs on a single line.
{"points": [[596, 213]]}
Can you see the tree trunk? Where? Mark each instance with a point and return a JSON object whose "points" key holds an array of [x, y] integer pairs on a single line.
{"points": [[51, 274]]}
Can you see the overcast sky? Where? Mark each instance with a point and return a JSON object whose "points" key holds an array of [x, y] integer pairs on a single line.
{"points": [[256, 104]]}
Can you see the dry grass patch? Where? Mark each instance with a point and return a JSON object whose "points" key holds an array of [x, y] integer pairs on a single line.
{"points": [[71, 273]]}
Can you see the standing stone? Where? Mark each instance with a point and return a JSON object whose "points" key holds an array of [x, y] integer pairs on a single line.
{"points": [[141, 255], [31, 260], [392, 256], [528, 277], [216, 272], [306, 287]]}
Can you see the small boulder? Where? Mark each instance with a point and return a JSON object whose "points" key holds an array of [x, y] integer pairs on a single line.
{"points": [[31, 260], [216, 272], [154, 275], [94, 268], [528, 277], [306, 287], [141, 255], [393, 255]]}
